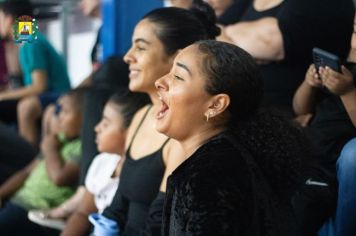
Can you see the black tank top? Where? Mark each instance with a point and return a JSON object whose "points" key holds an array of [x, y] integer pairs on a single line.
{"points": [[140, 181], [252, 14]]}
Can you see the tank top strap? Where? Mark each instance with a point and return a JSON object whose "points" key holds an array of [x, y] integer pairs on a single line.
{"points": [[139, 126], [164, 144]]}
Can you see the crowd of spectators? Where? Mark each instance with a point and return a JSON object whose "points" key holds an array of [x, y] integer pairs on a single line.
{"points": [[216, 121]]}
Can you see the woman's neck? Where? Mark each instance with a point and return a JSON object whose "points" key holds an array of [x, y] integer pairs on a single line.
{"points": [[192, 143]]}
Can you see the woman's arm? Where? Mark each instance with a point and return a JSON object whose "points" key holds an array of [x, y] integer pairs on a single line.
{"points": [[39, 85], [261, 38], [78, 223]]}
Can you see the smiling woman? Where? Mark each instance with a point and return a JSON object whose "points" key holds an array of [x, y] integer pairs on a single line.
{"points": [[243, 164]]}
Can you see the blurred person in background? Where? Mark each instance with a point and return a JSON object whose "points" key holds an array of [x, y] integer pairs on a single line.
{"points": [[280, 35], [44, 71]]}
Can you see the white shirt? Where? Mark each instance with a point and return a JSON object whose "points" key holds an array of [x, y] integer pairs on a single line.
{"points": [[99, 181]]}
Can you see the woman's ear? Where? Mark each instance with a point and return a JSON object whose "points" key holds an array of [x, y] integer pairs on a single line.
{"points": [[218, 104]]}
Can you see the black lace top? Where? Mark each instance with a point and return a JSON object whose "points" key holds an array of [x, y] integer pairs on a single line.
{"points": [[220, 190]]}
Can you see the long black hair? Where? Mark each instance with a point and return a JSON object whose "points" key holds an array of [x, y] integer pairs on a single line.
{"points": [[178, 28]]}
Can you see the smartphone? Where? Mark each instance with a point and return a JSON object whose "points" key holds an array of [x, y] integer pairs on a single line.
{"points": [[323, 58]]}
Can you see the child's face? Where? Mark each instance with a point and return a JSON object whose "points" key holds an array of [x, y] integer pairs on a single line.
{"points": [[69, 117], [110, 131]]}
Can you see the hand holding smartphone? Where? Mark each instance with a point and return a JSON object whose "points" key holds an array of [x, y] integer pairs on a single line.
{"points": [[323, 58]]}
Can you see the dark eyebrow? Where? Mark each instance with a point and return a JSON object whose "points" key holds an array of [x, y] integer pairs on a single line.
{"points": [[141, 40], [184, 67]]}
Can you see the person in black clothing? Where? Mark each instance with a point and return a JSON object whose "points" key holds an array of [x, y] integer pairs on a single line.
{"points": [[331, 96], [280, 35], [151, 156], [243, 164]]}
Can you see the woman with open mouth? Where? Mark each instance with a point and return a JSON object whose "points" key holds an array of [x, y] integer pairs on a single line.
{"points": [[243, 164], [151, 156]]}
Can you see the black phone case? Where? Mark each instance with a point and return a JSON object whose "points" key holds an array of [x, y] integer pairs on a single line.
{"points": [[323, 58]]}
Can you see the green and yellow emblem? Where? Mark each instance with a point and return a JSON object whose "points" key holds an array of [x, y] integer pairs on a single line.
{"points": [[25, 29]]}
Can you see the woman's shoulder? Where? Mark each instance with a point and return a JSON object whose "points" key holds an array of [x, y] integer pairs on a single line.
{"points": [[220, 147], [217, 169], [218, 157]]}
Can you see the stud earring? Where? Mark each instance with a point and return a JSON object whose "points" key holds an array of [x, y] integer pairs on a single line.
{"points": [[210, 114], [207, 117]]}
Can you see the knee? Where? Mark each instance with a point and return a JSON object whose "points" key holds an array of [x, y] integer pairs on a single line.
{"points": [[29, 108], [347, 159]]}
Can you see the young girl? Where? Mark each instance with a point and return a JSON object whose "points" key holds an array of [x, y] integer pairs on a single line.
{"points": [[103, 176], [50, 178]]}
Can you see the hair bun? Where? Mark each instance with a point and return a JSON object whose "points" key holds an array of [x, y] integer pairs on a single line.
{"points": [[206, 15]]}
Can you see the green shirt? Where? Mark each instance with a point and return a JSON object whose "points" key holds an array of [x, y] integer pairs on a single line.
{"points": [[39, 192], [40, 55]]}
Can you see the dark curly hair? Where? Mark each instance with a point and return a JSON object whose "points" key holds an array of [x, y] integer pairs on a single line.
{"points": [[278, 146], [177, 28]]}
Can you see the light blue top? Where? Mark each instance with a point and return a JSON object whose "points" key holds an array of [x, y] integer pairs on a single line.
{"points": [[40, 55]]}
